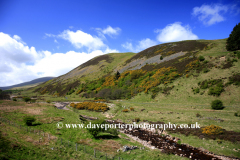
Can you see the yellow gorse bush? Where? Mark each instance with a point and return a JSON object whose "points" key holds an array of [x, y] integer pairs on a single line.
{"points": [[212, 130], [92, 106], [100, 100], [125, 110], [192, 64]]}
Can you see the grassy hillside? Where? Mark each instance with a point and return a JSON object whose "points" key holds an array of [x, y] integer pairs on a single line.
{"points": [[181, 62], [178, 88]]}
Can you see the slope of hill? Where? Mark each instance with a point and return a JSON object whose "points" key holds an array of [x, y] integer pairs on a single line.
{"points": [[152, 71], [30, 83]]}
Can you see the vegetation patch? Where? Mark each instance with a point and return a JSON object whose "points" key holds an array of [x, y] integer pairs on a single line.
{"points": [[92, 106], [234, 79], [212, 130], [216, 87]]}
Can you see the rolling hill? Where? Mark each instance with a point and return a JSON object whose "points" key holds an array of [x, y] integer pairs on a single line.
{"points": [[30, 83], [153, 71]]}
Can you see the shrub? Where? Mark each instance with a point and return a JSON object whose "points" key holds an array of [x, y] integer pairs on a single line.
{"points": [[92, 106], [125, 110], [117, 75], [204, 85], [48, 101], [238, 55], [26, 99], [161, 58], [94, 130], [197, 90], [72, 105], [14, 99], [70, 92], [217, 105], [205, 70], [219, 141], [201, 58], [236, 114], [216, 90], [212, 130], [205, 62], [136, 74], [137, 119], [29, 120], [131, 109], [198, 115], [234, 60]]}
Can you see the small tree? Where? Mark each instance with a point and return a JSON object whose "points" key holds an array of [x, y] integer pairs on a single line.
{"points": [[94, 130], [29, 120], [201, 58], [233, 41], [161, 58], [117, 75], [217, 105], [26, 99]]}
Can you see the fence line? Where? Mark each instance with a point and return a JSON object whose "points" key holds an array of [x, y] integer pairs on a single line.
{"points": [[66, 143]]}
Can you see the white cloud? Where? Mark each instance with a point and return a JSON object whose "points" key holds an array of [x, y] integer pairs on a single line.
{"points": [[50, 35], [111, 32], [60, 63], [16, 37], [81, 39], [18, 52], [19, 39], [143, 44], [210, 14], [20, 63], [175, 32]]}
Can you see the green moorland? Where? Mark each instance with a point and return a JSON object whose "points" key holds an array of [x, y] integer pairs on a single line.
{"points": [[16, 143], [181, 94]]}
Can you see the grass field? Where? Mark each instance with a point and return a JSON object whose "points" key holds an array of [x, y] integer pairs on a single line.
{"points": [[28, 146]]}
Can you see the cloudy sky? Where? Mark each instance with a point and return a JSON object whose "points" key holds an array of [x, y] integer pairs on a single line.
{"points": [[40, 38]]}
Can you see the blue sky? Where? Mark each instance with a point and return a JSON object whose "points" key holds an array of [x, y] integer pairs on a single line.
{"points": [[50, 37]]}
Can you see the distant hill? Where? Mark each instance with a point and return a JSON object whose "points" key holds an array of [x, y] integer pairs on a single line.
{"points": [[35, 81]]}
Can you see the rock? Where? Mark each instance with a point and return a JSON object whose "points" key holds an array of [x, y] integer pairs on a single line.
{"points": [[126, 148]]}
